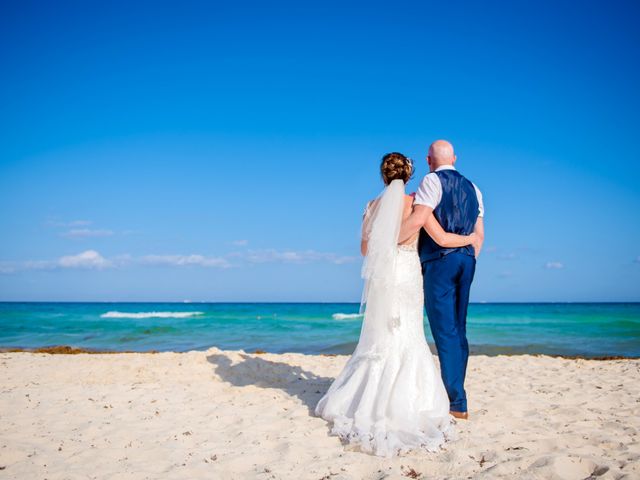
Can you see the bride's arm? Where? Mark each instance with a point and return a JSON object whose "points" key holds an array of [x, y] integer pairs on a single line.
{"points": [[422, 216], [446, 239], [363, 236]]}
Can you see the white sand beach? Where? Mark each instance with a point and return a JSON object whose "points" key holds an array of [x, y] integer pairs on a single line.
{"points": [[234, 415]]}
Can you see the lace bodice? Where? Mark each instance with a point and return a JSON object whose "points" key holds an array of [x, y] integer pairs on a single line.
{"points": [[411, 246]]}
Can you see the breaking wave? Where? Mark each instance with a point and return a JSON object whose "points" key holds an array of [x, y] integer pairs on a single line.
{"points": [[150, 314], [346, 316]]}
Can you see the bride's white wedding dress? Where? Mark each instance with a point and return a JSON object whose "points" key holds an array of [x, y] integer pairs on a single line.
{"points": [[389, 397]]}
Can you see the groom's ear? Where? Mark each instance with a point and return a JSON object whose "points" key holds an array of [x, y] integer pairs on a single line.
{"points": [[455, 159]]}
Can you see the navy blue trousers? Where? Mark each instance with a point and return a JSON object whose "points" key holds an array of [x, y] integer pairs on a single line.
{"points": [[447, 282]]}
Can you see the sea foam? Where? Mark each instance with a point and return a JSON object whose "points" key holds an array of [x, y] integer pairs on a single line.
{"points": [[150, 314], [345, 316]]}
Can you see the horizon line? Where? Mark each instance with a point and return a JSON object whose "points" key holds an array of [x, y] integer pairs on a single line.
{"points": [[183, 302]]}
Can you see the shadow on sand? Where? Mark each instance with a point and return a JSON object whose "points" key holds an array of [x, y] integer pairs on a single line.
{"points": [[291, 379]]}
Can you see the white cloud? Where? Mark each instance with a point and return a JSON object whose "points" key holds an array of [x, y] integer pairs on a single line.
{"points": [[553, 265], [505, 274], [80, 223], [292, 256], [91, 259], [86, 233], [507, 256], [73, 223], [87, 259], [240, 243], [77, 229], [40, 264], [185, 260], [7, 267], [338, 259]]}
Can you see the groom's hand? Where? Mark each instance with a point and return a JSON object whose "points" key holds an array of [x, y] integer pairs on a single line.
{"points": [[477, 246], [478, 230]]}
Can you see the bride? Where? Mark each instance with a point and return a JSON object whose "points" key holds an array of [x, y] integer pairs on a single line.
{"points": [[389, 398]]}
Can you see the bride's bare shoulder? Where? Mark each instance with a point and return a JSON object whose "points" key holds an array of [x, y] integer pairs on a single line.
{"points": [[408, 201], [370, 204]]}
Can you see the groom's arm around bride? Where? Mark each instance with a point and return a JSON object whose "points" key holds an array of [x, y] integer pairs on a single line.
{"points": [[429, 196]]}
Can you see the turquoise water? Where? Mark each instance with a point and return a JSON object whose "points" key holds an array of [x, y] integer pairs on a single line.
{"points": [[559, 329]]}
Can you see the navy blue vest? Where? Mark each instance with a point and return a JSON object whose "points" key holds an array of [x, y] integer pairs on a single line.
{"points": [[457, 212]]}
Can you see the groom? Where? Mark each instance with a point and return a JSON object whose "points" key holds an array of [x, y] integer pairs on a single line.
{"points": [[448, 272]]}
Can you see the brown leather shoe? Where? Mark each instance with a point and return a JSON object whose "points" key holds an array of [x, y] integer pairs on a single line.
{"points": [[461, 415]]}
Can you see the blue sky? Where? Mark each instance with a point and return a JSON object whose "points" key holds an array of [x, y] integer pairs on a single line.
{"points": [[187, 150]]}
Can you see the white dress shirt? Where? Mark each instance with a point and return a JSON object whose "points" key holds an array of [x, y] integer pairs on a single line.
{"points": [[430, 191]]}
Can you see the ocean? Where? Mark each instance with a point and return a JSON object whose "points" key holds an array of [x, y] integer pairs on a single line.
{"points": [[571, 329]]}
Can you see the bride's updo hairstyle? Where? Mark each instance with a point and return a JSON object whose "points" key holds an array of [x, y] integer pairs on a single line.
{"points": [[396, 166]]}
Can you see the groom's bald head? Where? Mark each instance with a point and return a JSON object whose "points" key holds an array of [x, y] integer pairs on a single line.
{"points": [[440, 153]]}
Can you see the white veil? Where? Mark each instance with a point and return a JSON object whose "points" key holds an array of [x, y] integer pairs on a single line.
{"points": [[381, 227]]}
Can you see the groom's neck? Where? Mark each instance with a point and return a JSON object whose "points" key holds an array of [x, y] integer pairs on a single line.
{"points": [[434, 167]]}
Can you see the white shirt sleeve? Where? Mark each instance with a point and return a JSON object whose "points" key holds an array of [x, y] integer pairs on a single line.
{"points": [[480, 204], [430, 191]]}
